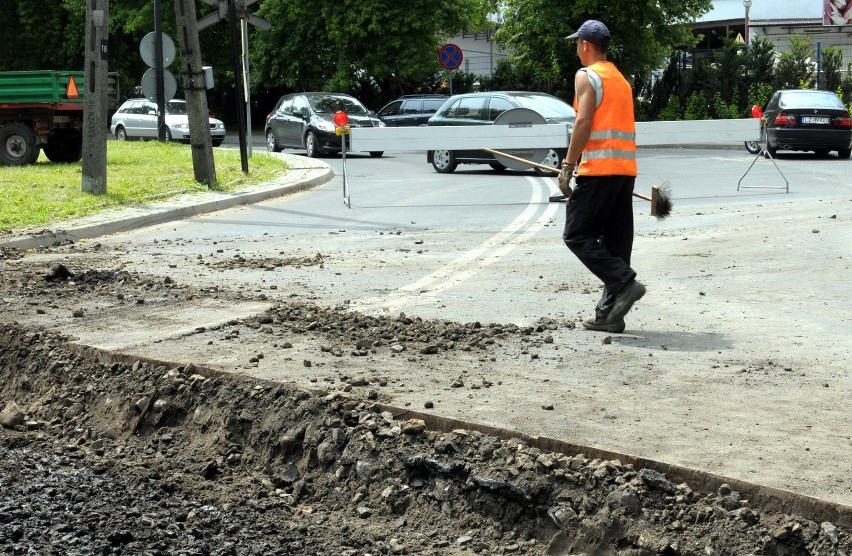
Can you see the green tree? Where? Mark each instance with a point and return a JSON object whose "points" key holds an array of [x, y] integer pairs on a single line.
{"points": [[643, 33], [760, 61], [832, 59], [794, 68], [730, 85], [368, 46]]}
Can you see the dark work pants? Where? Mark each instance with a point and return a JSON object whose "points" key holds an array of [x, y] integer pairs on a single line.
{"points": [[599, 231]]}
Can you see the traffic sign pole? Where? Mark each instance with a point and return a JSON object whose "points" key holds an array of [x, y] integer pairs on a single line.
{"points": [[238, 83], [158, 68], [450, 57]]}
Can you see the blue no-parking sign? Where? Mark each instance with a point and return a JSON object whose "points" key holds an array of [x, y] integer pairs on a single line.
{"points": [[450, 56]]}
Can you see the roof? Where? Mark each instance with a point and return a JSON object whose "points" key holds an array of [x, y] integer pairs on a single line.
{"points": [[783, 22]]}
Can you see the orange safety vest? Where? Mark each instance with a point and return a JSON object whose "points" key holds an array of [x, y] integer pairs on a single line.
{"points": [[611, 150]]}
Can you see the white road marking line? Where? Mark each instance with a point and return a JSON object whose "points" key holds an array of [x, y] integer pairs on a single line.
{"points": [[466, 266]]}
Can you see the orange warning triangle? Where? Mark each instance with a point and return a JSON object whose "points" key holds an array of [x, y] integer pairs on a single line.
{"points": [[71, 88]]}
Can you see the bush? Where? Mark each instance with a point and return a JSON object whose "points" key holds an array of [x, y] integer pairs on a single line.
{"points": [[795, 68], [832, 58], [696, 107], [724, 110], [672, 110]]}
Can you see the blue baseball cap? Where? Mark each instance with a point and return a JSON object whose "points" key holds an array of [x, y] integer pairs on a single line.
{"points": [[593, 31]]}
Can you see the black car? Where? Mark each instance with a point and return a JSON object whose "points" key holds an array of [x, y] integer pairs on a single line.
{"points": [[411, 110], [807, 120], [486, 108], [305, 121]]}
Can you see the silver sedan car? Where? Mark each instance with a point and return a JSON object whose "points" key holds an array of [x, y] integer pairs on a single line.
{"points": [[137, 119]]}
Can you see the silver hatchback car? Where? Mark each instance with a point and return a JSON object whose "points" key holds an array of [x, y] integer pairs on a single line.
{"points": [[137, 119]]}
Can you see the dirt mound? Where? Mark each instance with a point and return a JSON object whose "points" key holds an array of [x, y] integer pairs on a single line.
{"points": [[135, 457]]}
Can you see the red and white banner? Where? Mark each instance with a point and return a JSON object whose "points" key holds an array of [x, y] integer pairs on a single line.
{"points": [[837, 12]]}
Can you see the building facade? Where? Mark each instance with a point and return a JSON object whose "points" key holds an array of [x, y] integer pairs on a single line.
{"points": [[777, 20]]}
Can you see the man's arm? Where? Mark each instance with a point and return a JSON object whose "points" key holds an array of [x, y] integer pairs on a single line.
{"points": [[586, 103]]}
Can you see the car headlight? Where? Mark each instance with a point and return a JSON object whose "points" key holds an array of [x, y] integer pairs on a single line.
{"points": [[325, 126], [218, 125]]}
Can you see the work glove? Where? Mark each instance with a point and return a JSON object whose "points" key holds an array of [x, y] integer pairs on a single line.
{"points": [[566, 174]]}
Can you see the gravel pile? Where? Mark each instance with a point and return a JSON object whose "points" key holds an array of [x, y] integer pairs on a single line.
{"points": [[138, 458]]}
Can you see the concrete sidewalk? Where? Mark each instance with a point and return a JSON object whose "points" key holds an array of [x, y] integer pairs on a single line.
{"points": [[303, 173]]}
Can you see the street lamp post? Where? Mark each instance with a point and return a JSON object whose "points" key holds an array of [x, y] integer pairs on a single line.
{"points": [[747, 5]]}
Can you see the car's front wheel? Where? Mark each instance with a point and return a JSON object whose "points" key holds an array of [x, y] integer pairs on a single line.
{"points": [[551, 160], [844, 153], [444, 162], [311, 146], [272, 142]]}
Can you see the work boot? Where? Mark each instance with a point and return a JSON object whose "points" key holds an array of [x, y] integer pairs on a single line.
{"points": [[601, 325], [624, 300]]}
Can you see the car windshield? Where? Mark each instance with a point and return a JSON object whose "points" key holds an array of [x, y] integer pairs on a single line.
{"points": [[549, 107], [333, 103], [175, 107], [806, 99]]}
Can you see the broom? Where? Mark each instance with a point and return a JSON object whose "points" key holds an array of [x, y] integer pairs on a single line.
{"points": [[660, 199]]}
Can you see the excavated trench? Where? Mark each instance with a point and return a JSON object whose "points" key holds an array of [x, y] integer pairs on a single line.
{"points": [[102, 454]]}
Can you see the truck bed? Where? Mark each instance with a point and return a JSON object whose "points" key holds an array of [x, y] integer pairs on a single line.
{"points": [[41, 86], [47, 87]]}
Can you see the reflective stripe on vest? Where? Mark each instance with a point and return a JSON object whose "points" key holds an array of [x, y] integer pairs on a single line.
{"points": [[611, 149]]}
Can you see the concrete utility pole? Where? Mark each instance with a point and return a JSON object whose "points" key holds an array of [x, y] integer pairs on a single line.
{"points": [[95, 99], [194, 87]]}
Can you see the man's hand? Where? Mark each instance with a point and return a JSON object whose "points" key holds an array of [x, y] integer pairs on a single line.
{"points": [[566, 174]]}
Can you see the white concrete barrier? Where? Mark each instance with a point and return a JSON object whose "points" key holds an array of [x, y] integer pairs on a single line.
{"points": [[428, 138]]}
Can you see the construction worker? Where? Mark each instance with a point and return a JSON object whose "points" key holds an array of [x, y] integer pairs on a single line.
{"points": [[599, 210]]}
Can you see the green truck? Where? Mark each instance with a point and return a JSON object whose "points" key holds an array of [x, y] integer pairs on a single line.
{"points": [[43, 110]]}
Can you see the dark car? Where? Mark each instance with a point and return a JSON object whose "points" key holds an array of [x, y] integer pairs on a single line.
{"points": [[305, 121], [137, 119], [411, 110], [807, 120], [484, 109]]}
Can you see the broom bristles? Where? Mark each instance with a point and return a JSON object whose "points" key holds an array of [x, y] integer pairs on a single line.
{"points": [[664, 201]]}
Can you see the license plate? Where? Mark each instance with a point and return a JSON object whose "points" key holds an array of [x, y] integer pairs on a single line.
{"points": [[822, 120]]}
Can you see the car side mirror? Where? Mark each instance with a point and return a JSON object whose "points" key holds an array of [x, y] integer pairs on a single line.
{"points": [[756, 111]]}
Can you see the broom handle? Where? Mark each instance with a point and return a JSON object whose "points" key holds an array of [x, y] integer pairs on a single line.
{"points": [[545, 167]]}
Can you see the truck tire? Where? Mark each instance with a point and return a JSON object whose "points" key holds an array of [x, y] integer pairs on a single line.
{"points": [[17, 145], [64, 148]]}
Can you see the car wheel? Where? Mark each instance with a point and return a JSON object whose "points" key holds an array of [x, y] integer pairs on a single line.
{"points": [[497, 167], [377, 154], [753, 146], [167, 136], [311, 147], [218, 142], [272, 142], [552, 160], [120, 134], [444, 162], [17, 145], [844, 153]]}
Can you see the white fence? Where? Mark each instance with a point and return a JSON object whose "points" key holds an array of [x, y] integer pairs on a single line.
{"points": [[544, 136]]}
